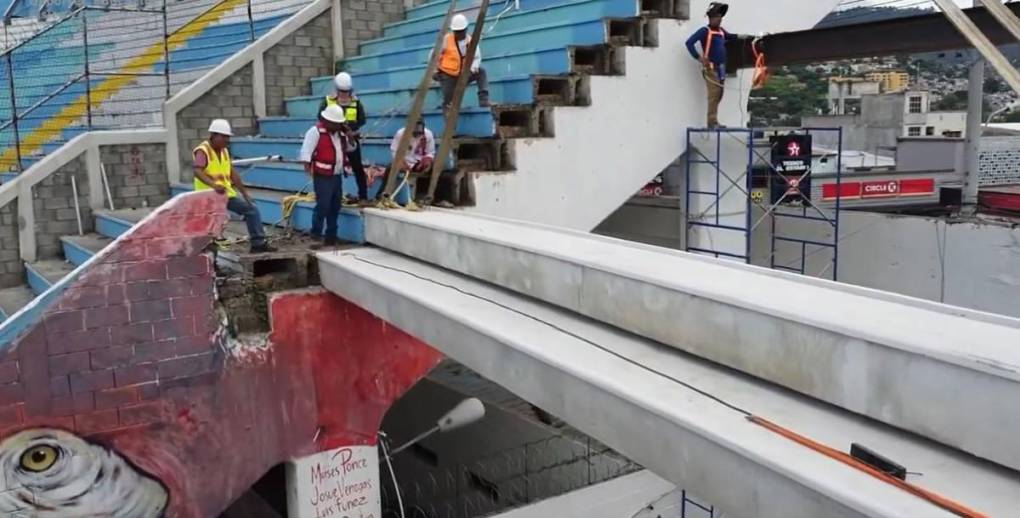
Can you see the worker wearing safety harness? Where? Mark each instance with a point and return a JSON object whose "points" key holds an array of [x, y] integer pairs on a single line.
{"points": [[354, 115], [713, 40], [324, 154], [451, 63], [214, 171]]}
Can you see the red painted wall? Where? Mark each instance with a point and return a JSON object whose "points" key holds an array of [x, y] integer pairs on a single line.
{"points": [[131, 358]]}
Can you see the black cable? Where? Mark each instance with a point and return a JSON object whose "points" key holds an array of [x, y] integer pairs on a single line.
{"points": [[704, 393]]}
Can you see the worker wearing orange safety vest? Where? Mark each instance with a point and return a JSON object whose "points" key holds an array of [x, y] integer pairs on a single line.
{"points": [[451, 63], [213, 170], [713, 40]]}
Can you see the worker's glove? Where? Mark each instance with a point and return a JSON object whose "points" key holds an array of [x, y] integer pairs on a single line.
{"points": [[474, 69]]}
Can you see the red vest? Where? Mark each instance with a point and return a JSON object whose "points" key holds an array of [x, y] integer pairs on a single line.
{"points": [[324, 158]]}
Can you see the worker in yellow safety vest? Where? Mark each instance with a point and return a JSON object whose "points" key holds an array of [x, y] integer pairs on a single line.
{"points": [[451, 63], [713, 39], [213, 170], [354, 113]]}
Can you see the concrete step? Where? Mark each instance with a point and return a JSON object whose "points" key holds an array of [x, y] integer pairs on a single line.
{"points": [[13, 299], [556, 60], [506, 90], [113, 223], [474, 122], [40, 275], [78, 249], [655, 404], [510, 23], [823, 340]]}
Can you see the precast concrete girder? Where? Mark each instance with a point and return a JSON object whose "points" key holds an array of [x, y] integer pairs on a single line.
{"points": [[945, 373], [682, 417]]}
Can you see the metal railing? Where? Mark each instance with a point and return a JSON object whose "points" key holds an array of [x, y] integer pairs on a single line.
{"points": [[505, 480], [113, 66]]}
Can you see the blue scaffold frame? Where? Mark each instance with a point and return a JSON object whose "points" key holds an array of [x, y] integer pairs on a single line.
{"points": [[807, 211]]}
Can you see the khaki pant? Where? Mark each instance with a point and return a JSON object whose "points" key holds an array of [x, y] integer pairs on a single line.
{"points": [[715, 94]]}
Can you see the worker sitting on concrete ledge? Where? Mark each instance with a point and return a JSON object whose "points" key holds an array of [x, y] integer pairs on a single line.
{"points": [[713, 40], [354, 113], [451, 63], [324, 153], [421, 153], [213, 170]]}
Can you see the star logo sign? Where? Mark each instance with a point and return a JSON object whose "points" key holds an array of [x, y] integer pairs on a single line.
{"points": [[793, 149]]}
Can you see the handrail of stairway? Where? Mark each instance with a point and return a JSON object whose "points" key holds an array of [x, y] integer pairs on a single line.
{"points": [[253, 55], [20, 187]]}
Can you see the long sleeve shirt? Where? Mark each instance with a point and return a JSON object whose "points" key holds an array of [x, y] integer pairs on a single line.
{"points": [[421, 147], [717, 49]]}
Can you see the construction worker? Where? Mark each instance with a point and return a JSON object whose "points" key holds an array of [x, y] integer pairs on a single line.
{"points": [[324, 154], [421, 152], [213, 170], [354, 112], [451, 63], [713, 40]]}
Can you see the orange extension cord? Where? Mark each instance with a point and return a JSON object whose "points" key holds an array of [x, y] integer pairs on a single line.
{"points": [[934, 498]]}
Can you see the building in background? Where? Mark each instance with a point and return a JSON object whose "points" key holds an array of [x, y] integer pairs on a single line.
{"points": [[890, 80]]}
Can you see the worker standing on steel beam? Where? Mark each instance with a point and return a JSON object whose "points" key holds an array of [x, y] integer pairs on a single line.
{"points": [[354, 112], [451, 63], [324, 153], [213, 170], [713, 40]]}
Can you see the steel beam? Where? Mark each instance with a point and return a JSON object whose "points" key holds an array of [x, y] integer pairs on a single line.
{"points": [[913, 364], [898, 36], [981, 42], [1004, 15], [681, 417]]}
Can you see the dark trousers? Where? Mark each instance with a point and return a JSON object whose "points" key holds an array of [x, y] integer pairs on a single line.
{"points": [[252, 219], [449, 83], [359, 171], [328, 190]]}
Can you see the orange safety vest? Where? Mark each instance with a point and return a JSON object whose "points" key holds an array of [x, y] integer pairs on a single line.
{"points": [[450, 59]]}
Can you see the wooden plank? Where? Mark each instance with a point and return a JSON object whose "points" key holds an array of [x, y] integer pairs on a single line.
{"points": [[453, 111]]}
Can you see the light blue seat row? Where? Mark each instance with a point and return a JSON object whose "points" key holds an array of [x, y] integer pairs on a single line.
{"points": [[476, 122], [375, 151], [554, 60], [504, 90], [559, 34], [514, 22], [431, 22]]}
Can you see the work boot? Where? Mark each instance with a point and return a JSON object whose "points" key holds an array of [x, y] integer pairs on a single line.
{"points": [[483, 100], [331, 242], [262, 248]]}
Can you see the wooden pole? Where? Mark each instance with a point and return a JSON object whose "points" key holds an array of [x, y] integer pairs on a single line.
{"points": [[453, 111], [417, 106]]}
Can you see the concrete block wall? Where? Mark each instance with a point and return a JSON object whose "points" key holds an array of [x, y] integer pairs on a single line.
{"points": [[12, 271], [231, 100], [363, 20], [53, 204], [305, 54], [137, 174]]}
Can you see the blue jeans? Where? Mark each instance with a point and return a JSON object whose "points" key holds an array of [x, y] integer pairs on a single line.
{"points": [[252, 218], [328, 192]]}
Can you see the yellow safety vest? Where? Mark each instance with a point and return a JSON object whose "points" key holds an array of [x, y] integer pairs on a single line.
{"points": [[350, 111], [217, 167]]}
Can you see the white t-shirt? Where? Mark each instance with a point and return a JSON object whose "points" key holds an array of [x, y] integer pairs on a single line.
{"points": [[419, 148]]}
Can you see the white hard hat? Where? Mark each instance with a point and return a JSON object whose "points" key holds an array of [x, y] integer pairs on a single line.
{"points": [[221, 126], [343, 82], [334, 113], [459, 23]]}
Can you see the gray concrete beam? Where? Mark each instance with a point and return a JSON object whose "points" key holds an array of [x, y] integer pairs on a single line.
{"points": [[946, 373], [679, 416]]}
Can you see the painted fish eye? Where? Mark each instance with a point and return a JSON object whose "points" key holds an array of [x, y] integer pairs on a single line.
{"points": [[39, 458]]}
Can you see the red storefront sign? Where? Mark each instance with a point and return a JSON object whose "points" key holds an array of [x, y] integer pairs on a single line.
{"points": [[879, 189]]}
